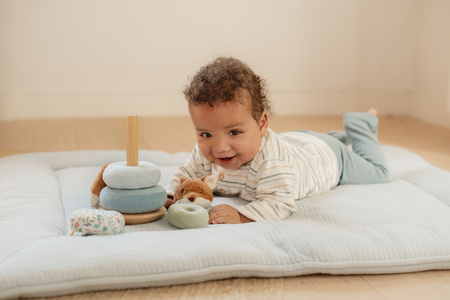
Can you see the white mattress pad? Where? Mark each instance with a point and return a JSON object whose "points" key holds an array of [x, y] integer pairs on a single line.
{"points": [[400, 226]]}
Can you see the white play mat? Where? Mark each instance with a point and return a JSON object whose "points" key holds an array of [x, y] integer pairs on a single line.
{"points": [[401, 226]]}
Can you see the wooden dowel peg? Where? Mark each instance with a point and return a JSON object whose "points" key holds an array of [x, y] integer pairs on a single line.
{"points": [[132, 141]]}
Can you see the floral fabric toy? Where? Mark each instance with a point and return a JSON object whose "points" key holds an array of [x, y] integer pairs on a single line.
{"points": [[96, 221]]}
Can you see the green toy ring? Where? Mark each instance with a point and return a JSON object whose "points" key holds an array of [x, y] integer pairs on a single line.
{"points": [[186, 216]]}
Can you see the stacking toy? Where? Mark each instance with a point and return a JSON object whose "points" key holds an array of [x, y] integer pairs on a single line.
{"points": [[131, 188]]}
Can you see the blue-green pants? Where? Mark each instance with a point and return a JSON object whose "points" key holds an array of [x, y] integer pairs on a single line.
{"points": [[366, 163]]}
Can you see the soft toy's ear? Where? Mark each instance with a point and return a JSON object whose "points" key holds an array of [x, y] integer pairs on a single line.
{"points": [[210, 181], [96, 187], [176, 181]]}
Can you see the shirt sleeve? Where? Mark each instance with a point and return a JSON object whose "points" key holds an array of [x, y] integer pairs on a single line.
{"points": [[196, 166], [274, 183]]}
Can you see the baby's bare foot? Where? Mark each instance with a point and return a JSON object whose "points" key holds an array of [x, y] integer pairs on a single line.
{"points": [[372, 111]]}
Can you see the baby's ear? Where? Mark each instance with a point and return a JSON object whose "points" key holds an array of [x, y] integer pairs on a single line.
{"points": [[210, 181], [264, 123], [176, 181]]}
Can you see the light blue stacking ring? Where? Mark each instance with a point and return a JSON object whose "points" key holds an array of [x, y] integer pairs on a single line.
{"points": [[186, 216], [133, 201], [120, 176]]}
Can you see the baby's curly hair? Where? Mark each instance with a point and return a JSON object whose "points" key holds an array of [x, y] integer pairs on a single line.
{"points": [[222, 80]]}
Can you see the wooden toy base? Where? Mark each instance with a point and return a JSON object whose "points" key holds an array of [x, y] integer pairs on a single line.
{"points": [[135, 219]]}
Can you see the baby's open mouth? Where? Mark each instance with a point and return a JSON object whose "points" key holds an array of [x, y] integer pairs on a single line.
{"points": [[226, 159]]}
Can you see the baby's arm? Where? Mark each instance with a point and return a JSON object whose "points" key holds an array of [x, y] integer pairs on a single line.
{"points": [[260, 210], [274, 193], [274, 198]]}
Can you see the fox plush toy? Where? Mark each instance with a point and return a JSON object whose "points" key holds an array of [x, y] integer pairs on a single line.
{"points": [[193, 190]]}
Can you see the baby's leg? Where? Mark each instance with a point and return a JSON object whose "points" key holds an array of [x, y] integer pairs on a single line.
{"points": [[367, 163], [340, 136]]}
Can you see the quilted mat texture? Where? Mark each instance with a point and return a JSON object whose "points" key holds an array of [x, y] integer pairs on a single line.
{"points": [[400, 226]]}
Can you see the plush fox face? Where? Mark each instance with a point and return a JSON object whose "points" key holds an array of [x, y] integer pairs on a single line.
{"points": [[194, 190]]}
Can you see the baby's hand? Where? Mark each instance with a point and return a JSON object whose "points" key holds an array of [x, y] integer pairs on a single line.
{"points": [[224, 214]]}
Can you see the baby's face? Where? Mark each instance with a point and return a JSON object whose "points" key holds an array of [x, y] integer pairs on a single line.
{"points": [[227, 134]]}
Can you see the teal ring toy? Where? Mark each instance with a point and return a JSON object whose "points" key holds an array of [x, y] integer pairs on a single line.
{"points": [[133, 201]]}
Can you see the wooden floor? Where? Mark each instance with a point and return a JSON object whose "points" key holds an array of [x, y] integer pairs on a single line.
{"points": [[176, 134]]}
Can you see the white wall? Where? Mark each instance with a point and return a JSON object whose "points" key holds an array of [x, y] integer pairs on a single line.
{"points": [[431, 80], [90, 58]]}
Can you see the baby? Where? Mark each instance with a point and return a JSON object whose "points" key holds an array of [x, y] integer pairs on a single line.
{"points": [[229, 110]]}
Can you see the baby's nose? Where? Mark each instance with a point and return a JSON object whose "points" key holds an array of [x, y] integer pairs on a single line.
{"points": [[221, 145]]}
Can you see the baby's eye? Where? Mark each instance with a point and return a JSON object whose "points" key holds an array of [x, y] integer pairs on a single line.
{"points": [[234, 132], [205, 134]]}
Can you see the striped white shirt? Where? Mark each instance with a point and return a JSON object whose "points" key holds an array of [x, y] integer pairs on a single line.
{"points": [[288, 167]]}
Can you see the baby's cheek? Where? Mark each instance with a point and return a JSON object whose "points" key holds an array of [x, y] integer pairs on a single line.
{"points": [[203, 149]]}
